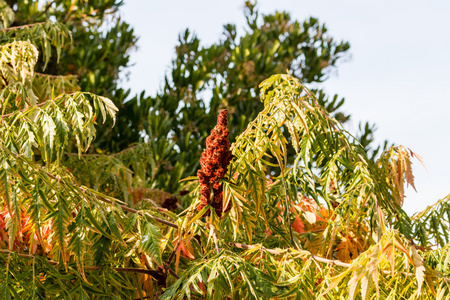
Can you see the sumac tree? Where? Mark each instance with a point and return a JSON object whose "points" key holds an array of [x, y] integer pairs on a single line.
{"points": [[296, 210]]}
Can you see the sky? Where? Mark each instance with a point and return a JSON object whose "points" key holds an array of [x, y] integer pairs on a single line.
{"points": [[398, 75]]}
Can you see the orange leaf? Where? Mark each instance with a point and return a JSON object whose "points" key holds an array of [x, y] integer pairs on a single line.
{"points": [[346, 250], [185, 252], [298, 225], [202, 286]]}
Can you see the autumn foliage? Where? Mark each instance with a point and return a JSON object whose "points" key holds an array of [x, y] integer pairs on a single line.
{"points": [[27, 238], [296, 209]]}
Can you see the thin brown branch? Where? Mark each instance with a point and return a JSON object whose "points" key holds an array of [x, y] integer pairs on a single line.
{"points": [[316, 258], [52, 262], [54, 76], [287, 209], [213, 232], [105, 155], [172, 272], [420, 214], [82, 189], [152, 273], [24, 109], [172, 255], [21, 27], [276, 252], [40, 104], [129, 209], [47, 7]]}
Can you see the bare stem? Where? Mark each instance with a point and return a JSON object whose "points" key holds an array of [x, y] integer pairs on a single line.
{"points": [[152, 273], [21, 27], [24, 109], [83, 189], [214, 238], [276, 252], [287, 209]]}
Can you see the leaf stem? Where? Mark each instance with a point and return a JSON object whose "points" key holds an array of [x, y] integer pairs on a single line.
{"points": [[276, 252], [214, 238], [287, 209], [152, 273], [82, 189], [21, 27]]}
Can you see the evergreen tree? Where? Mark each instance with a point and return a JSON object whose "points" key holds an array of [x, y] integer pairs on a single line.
{"points": [[96, 55]]}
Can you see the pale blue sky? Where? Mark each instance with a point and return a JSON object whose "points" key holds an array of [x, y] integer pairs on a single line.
{"points": [[398, 76]]}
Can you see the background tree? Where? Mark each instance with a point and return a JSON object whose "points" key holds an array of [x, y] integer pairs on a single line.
{"points": [[202, 80], [99, 51]]}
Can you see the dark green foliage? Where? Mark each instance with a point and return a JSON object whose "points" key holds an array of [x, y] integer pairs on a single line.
{"points": [[99, 51]]}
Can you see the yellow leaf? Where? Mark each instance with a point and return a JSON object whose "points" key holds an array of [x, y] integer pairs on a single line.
{"points": [[364, 286], [373, 267], [420, 269], [419, 158], [352, 285], [346, 250], [310, 217]]}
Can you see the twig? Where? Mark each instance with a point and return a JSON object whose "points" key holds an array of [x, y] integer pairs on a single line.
{"points": [[420, 214], [24, 109], [21, 27], [317, 258], [158, 293], [54, 76], [211, 226], [126, 208], [82, 189], [172, 272], [105, 155], [152, 273], [52, 262], [287, 209], [273, 251], [172, 255], [44, 11]]}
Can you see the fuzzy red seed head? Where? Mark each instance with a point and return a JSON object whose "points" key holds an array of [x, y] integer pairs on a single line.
{"points": [[214, 165]]}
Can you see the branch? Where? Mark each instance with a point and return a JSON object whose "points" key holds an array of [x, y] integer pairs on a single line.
{"points": [[52, 262], [24, 109], [420, 214], [172, 272], [276, 252], [21, 27], [152, 273], [105, 155], [126, 208], [44, 11], [317, 258], [214, 238], [287, 209], [83, 190], [54, 76], [40, 104]]}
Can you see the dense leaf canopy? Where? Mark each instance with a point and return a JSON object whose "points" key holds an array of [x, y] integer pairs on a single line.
{"points": [[305, 211]]}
